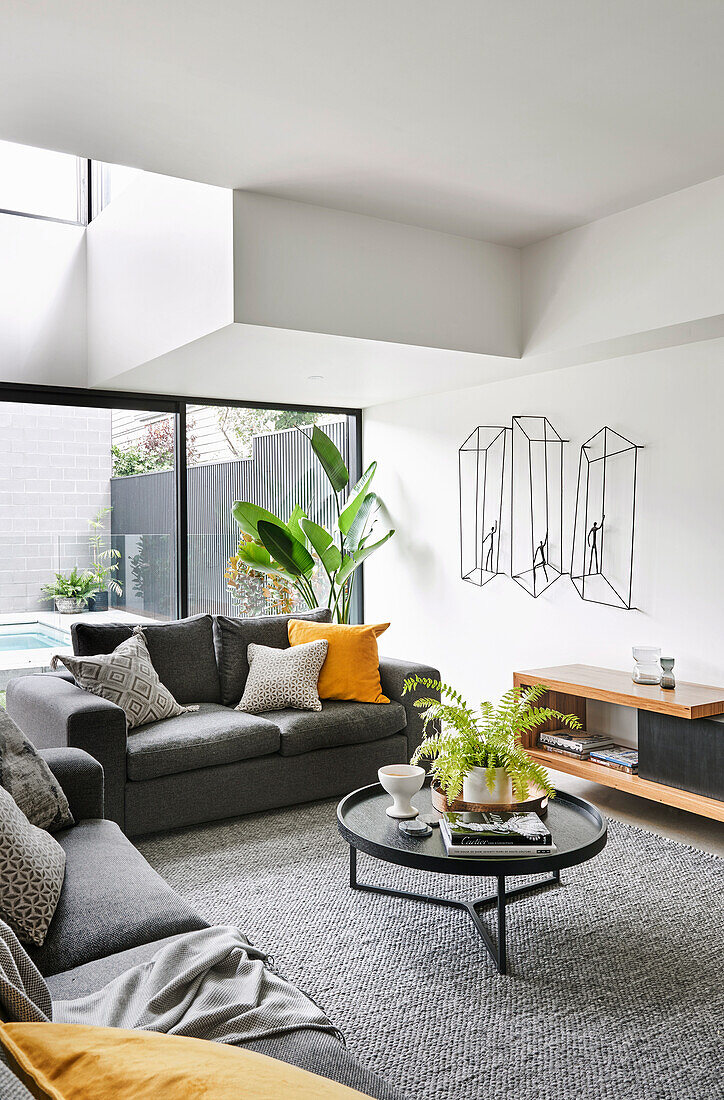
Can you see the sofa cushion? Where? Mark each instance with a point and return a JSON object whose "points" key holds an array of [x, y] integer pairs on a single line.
{"points": [[32, 865], [125, 677], [212, 735], [338, 723], [182, 653], [111, 900], [234, 635]]}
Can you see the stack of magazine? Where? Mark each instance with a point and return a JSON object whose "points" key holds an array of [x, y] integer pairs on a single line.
{"points": [[573, 742], [495, 834]]}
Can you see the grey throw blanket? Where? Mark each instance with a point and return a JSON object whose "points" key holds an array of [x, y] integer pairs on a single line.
{"points": [[24, 996], [211, 984]]}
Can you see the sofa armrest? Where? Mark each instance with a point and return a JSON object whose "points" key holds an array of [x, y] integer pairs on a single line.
{"points": [[393, 673], [53, 713], [81, 777]]}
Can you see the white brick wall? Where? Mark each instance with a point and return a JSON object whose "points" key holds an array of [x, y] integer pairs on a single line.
{"points": [[55, 468]]}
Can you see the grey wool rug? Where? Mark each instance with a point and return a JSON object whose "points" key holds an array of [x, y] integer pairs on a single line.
{"points": [[616, 989]]}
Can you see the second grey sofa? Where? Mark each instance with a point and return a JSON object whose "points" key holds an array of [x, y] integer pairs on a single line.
{"points": [[216, 762]]}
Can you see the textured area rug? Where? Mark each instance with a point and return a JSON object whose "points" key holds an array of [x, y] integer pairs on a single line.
{"points": [[616, 983]]}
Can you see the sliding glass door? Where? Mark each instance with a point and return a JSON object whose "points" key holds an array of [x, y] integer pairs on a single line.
{"points": [[137, 492]]}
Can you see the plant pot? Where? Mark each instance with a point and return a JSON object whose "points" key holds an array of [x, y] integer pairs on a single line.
{"points": [[99, 602], [476, 789], [535, 803], [69, 605]]}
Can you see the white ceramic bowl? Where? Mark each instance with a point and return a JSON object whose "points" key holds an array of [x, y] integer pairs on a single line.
{"points": [[401, 781]]}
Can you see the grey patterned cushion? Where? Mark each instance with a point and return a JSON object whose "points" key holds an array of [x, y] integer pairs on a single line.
{"points": [[32, 868], [29, 779], [127, 678], [281, 678]]}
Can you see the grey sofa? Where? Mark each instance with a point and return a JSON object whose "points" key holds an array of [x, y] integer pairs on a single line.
{"points": [[115, 911], [217, 762]]}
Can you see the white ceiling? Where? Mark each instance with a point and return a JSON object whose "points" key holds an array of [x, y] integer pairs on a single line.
{"points": [[507, 120]]}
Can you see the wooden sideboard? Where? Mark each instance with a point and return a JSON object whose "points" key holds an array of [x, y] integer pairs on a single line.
{"points": [[569, 686]]}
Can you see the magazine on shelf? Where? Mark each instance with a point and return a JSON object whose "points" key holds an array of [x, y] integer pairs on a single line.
{"points": [[574, 742], [618, 756]]}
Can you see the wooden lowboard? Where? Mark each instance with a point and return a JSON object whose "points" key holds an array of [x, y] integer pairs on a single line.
{"points": [[569, 686]]}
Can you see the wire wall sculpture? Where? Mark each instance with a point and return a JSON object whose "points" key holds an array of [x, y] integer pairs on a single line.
{"points": [[482, 461], [605, 519], [536, 504]]}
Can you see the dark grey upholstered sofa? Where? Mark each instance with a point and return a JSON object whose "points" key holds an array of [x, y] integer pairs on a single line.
{"points": [[216, 762], [115, 911]]}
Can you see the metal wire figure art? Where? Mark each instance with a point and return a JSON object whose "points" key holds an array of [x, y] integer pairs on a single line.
{"points": [[602, 554]]}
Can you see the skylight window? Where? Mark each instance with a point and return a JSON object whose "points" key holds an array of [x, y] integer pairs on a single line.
{"points": [[41, 183]]}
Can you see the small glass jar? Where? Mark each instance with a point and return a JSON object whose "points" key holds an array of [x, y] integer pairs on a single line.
{"points": [[668, 680], [647, 669]]}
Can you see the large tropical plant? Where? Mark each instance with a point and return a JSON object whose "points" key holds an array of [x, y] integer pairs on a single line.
{"points": [[297, 548], [458, 738]]}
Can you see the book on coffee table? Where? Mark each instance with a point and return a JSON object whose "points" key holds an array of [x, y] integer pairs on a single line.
{"points": [[495, 833]]}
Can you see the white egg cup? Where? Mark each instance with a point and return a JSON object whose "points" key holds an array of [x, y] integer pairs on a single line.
{"points": [[401, 781]]}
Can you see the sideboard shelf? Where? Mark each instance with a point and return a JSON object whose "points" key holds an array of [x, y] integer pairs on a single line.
{"points": [[570, 686]]}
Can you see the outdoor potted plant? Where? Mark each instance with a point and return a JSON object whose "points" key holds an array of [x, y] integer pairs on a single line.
{"points": [[72, 592], [104, 564], [478, 751]]}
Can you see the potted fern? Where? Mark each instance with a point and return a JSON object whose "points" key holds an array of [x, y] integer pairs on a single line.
{"points": [[478, 751]]}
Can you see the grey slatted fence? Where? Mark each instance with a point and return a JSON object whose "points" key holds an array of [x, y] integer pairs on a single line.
{"points": [[282, 472]]}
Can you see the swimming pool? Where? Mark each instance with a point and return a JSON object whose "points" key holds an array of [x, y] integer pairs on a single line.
{"points": [[20, 637]]}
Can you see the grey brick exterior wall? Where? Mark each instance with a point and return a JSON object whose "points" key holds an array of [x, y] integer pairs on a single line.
{"points": [[55, 469]]}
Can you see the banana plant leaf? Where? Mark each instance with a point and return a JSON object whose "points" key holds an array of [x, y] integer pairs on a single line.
{"points": [[290, 554], [354, 561], [356, 497], [247, 515], [324, 544], [257, 557], [367, 508], [330, 458], [293, 523]]}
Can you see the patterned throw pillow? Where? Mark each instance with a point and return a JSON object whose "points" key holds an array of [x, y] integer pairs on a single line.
{"points": [[127, 678], [27, 777], [280, 678], [32, 869]]}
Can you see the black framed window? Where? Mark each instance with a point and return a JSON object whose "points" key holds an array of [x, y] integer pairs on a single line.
{"points": [[172, 469], [41, 183]]}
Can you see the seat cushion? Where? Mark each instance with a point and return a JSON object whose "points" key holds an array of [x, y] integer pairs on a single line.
{"points": [[338, 723], [111, 900], [212, 735], [234, 635], [90, 976], [182, 653]]}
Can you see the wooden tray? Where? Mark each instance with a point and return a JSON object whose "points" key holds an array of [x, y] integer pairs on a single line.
{"points": [[536, 803]]}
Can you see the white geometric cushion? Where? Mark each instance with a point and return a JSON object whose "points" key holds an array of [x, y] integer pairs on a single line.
{"points": [[32, 869], [127, 678], [280, 678]]}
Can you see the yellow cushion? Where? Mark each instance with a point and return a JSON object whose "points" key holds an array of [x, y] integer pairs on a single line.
{"points": [[72, 1062], [352, 667]]}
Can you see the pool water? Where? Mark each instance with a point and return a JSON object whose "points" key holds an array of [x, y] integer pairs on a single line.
{"points": [[18, 639]]}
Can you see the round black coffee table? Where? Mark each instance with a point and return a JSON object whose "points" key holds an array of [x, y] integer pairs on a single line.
{"points": [[578, 829]]}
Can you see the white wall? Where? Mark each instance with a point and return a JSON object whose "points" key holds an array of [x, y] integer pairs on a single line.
{"points": [[42, 301], [159, 272], [648, 268], [298, 266], [669, 401]]}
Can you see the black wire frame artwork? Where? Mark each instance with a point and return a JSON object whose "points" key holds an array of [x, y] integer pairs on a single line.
{"points": [[602, 554], [481, 472], [536, 504]]}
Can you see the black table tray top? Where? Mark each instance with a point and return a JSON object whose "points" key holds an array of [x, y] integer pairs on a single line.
{"points": [[579, 832]]}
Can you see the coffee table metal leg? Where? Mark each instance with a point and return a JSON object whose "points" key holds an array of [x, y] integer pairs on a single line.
{"points": [[497, 951]]}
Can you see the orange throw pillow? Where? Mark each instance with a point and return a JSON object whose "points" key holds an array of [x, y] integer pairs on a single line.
{"points": [[75, 1062], [352, 667]]}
